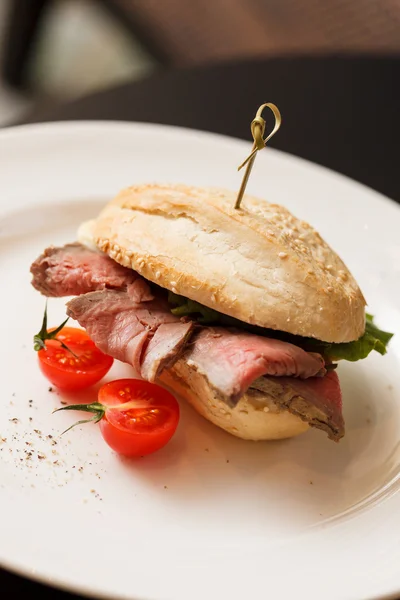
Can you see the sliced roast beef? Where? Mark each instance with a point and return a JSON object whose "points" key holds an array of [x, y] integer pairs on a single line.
{"points": [[164, 348], [127, 321], [231, 360], [317, 400], [123, 328], [74, 269]]}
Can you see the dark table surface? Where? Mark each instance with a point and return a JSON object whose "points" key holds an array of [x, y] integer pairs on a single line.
{"points": [[341, 112]]}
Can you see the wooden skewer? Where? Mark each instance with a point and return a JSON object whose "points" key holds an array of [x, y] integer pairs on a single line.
{"points": [[257, 131]]}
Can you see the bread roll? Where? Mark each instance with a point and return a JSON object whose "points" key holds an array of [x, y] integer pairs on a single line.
{"points": [[256, 416], [259, 264]]}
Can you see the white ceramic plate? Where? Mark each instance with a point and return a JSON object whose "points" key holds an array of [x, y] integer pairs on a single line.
{"points": [[209, 516]]}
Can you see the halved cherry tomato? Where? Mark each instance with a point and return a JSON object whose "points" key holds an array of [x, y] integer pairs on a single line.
{"points": [[76, 370], [136, 417], [140, 417]]}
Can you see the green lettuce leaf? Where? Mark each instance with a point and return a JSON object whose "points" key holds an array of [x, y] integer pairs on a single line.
{"points": [[183, 307], [372, 339]]}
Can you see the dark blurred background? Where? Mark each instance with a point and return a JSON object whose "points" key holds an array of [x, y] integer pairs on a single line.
{"points": [[53, 50]]}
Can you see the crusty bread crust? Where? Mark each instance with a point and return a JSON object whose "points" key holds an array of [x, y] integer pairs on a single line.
{"points": [[256, 417], [259, 264]]}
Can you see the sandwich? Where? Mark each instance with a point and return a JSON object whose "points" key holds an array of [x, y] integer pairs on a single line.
{"points": [[245, 313]]}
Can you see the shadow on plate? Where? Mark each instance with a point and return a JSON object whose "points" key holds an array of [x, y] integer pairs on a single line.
{"points": [[310, 473]]}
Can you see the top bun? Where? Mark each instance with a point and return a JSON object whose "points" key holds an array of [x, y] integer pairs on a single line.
{"points": [[259, 264]]}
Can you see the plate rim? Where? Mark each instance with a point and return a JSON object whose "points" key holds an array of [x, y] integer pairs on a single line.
{"points": [[51, 127]]}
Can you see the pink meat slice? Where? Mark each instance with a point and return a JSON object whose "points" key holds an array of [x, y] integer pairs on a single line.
{"points": [[123, 328], [232, 360], [164, 348], [73, 269], [317, 400]]}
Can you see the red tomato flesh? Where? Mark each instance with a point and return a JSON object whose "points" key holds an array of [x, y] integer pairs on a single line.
{"points": [[140, 417], [66, 371]]}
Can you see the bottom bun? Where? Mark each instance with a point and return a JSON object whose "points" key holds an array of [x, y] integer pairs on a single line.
{"points": [[255, 417]]}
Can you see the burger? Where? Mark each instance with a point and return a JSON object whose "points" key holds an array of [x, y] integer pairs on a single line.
{"points": [[245, 313]]}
